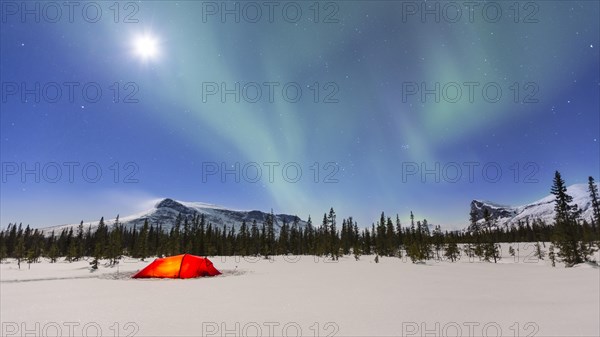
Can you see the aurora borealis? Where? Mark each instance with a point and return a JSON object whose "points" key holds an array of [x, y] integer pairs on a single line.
{"points": [[362, 67]]}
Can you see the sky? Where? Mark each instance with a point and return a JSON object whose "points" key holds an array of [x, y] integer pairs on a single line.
{"points": [[363, 106]]}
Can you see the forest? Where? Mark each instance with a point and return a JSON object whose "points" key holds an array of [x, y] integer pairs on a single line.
{"points": [[573, 240]]}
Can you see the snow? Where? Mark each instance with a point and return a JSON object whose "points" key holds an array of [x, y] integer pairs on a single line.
{"points": [[284, 295], [166, 215], [544, 208]]}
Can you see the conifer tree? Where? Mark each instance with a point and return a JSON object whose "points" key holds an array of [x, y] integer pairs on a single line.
{"points": [[310, 237], [333, 235], [284, 239], [588, 238], [115, 243], [175, 237], [88, 242], [255, 239], [438, 241], [391, 244], [270, 234], [400, 240], [366, 247], [243, 238], [295, 237], [469, 250], [452, 252], [73, 251], [53, 252], [565, 235], [70, 246], [595, 198], [413, 252], [80, 249], [356, 248], [31, 257], [3, 247], [491, 251], [424, 240], [142, 242], [539, 253], [481, 248], [100, 244], [264, 249], [20, 250]]}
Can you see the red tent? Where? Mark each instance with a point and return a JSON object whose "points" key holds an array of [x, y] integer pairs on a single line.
{"points": [[179, 266]]}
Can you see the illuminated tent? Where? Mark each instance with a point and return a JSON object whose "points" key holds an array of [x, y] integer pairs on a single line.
{"points": [[179, 266]]}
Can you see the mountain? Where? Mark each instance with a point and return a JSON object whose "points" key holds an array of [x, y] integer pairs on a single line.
{"points": [[542, 209], [165, 213]]}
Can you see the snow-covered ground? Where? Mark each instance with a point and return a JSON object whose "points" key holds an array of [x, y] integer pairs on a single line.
{"points": [[308, 296]]}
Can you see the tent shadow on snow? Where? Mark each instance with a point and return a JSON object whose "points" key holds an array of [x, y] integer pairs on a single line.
{"points": [[179, 266]]}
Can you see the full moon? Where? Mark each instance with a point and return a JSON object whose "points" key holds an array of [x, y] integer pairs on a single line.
{"points": [[146, 47]]}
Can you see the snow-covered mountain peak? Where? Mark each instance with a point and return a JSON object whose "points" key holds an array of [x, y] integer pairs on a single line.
{"points": [[166, 211], [542, 209]]}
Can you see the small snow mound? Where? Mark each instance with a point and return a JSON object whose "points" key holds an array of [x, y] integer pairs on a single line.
{"points": [[587, 265], [117, 276], [232, 272]]}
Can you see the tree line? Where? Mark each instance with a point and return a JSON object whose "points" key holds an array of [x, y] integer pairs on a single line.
{"points": [[574, 239]]}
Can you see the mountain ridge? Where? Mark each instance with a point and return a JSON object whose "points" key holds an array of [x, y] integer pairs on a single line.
{"points": [[166, 211], [543, 209]]}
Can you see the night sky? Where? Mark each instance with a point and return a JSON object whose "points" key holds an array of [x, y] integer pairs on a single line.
{"points": [[359, 132]]}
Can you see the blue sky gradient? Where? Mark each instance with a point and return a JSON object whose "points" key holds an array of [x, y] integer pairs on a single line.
{"points": [[366, 128]]}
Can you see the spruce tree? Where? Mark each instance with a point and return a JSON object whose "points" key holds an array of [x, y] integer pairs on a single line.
{"points": [[69, 246], [310, 237], [414, 252], [391, 243], [284, 239], [481, 248], [20, 250], [142, 242], [539, 253], [491, 251], [588, 238], [566, 237], [73, 251], [53, 252], [80, 249], [452, 252], [243, 238], [270, 234], [99, 244], [593, 189], [333, 235], [424, 240], [115, 243], [356, 250], [3, 247], [254, 239], [175, 237], [31, 257], [400, 239], [469, 250], [438, 241]]}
